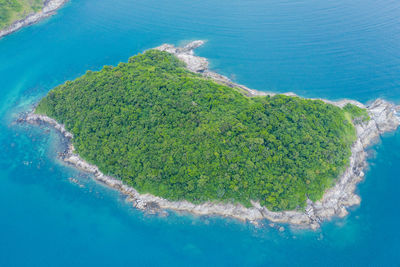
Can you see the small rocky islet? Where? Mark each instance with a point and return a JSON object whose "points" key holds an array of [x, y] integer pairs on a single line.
{"points": [[335, 193]]}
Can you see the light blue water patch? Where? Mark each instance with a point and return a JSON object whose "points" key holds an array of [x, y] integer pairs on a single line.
{"points": [[330, 49]]}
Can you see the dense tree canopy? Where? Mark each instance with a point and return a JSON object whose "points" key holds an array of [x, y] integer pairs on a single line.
{"points": [[175, 134], [13, 10]]}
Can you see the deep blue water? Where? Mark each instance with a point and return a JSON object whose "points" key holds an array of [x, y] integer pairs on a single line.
{"points": [[330, 49]]}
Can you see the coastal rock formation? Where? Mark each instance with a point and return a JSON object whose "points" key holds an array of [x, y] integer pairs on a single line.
{"points": [[38, 119], [383, 116], [50, 6], [200, 65]]}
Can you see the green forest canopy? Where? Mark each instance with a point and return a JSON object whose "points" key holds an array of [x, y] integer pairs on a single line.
{"points": [[174, 134], [13, 10]]}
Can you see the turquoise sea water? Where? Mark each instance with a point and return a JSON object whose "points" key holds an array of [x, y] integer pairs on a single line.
{"points": [[330, 49]]}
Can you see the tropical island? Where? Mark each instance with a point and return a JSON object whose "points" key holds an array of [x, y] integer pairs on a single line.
{"points": [[15, 14], [171, 134]]}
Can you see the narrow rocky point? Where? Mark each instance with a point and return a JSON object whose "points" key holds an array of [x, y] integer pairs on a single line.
{"points": [[336, 200], [200, 65], [50, 6]]}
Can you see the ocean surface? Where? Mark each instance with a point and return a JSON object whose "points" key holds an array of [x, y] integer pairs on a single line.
{"points": [[330, 49]]}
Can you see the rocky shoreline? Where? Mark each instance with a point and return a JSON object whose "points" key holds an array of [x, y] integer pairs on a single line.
{"points": [[334, 202], [49, 8]]}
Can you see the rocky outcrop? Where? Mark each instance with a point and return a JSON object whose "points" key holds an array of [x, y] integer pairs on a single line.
{"points": [[41, 119], [50, 6], [200, 65], [384, 118]]}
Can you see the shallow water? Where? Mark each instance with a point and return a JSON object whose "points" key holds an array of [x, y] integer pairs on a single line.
{"points": [[330, 49]]}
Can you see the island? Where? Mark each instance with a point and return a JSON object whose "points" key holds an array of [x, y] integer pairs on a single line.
{"points": [[15, 14], [171, 134]]}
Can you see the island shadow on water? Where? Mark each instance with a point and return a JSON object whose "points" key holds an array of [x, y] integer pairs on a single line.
{"points": [[333, 204]]}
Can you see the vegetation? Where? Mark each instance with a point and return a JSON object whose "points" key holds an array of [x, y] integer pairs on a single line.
{"points": [[172, 133], [356, 114], [13, 10]]}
